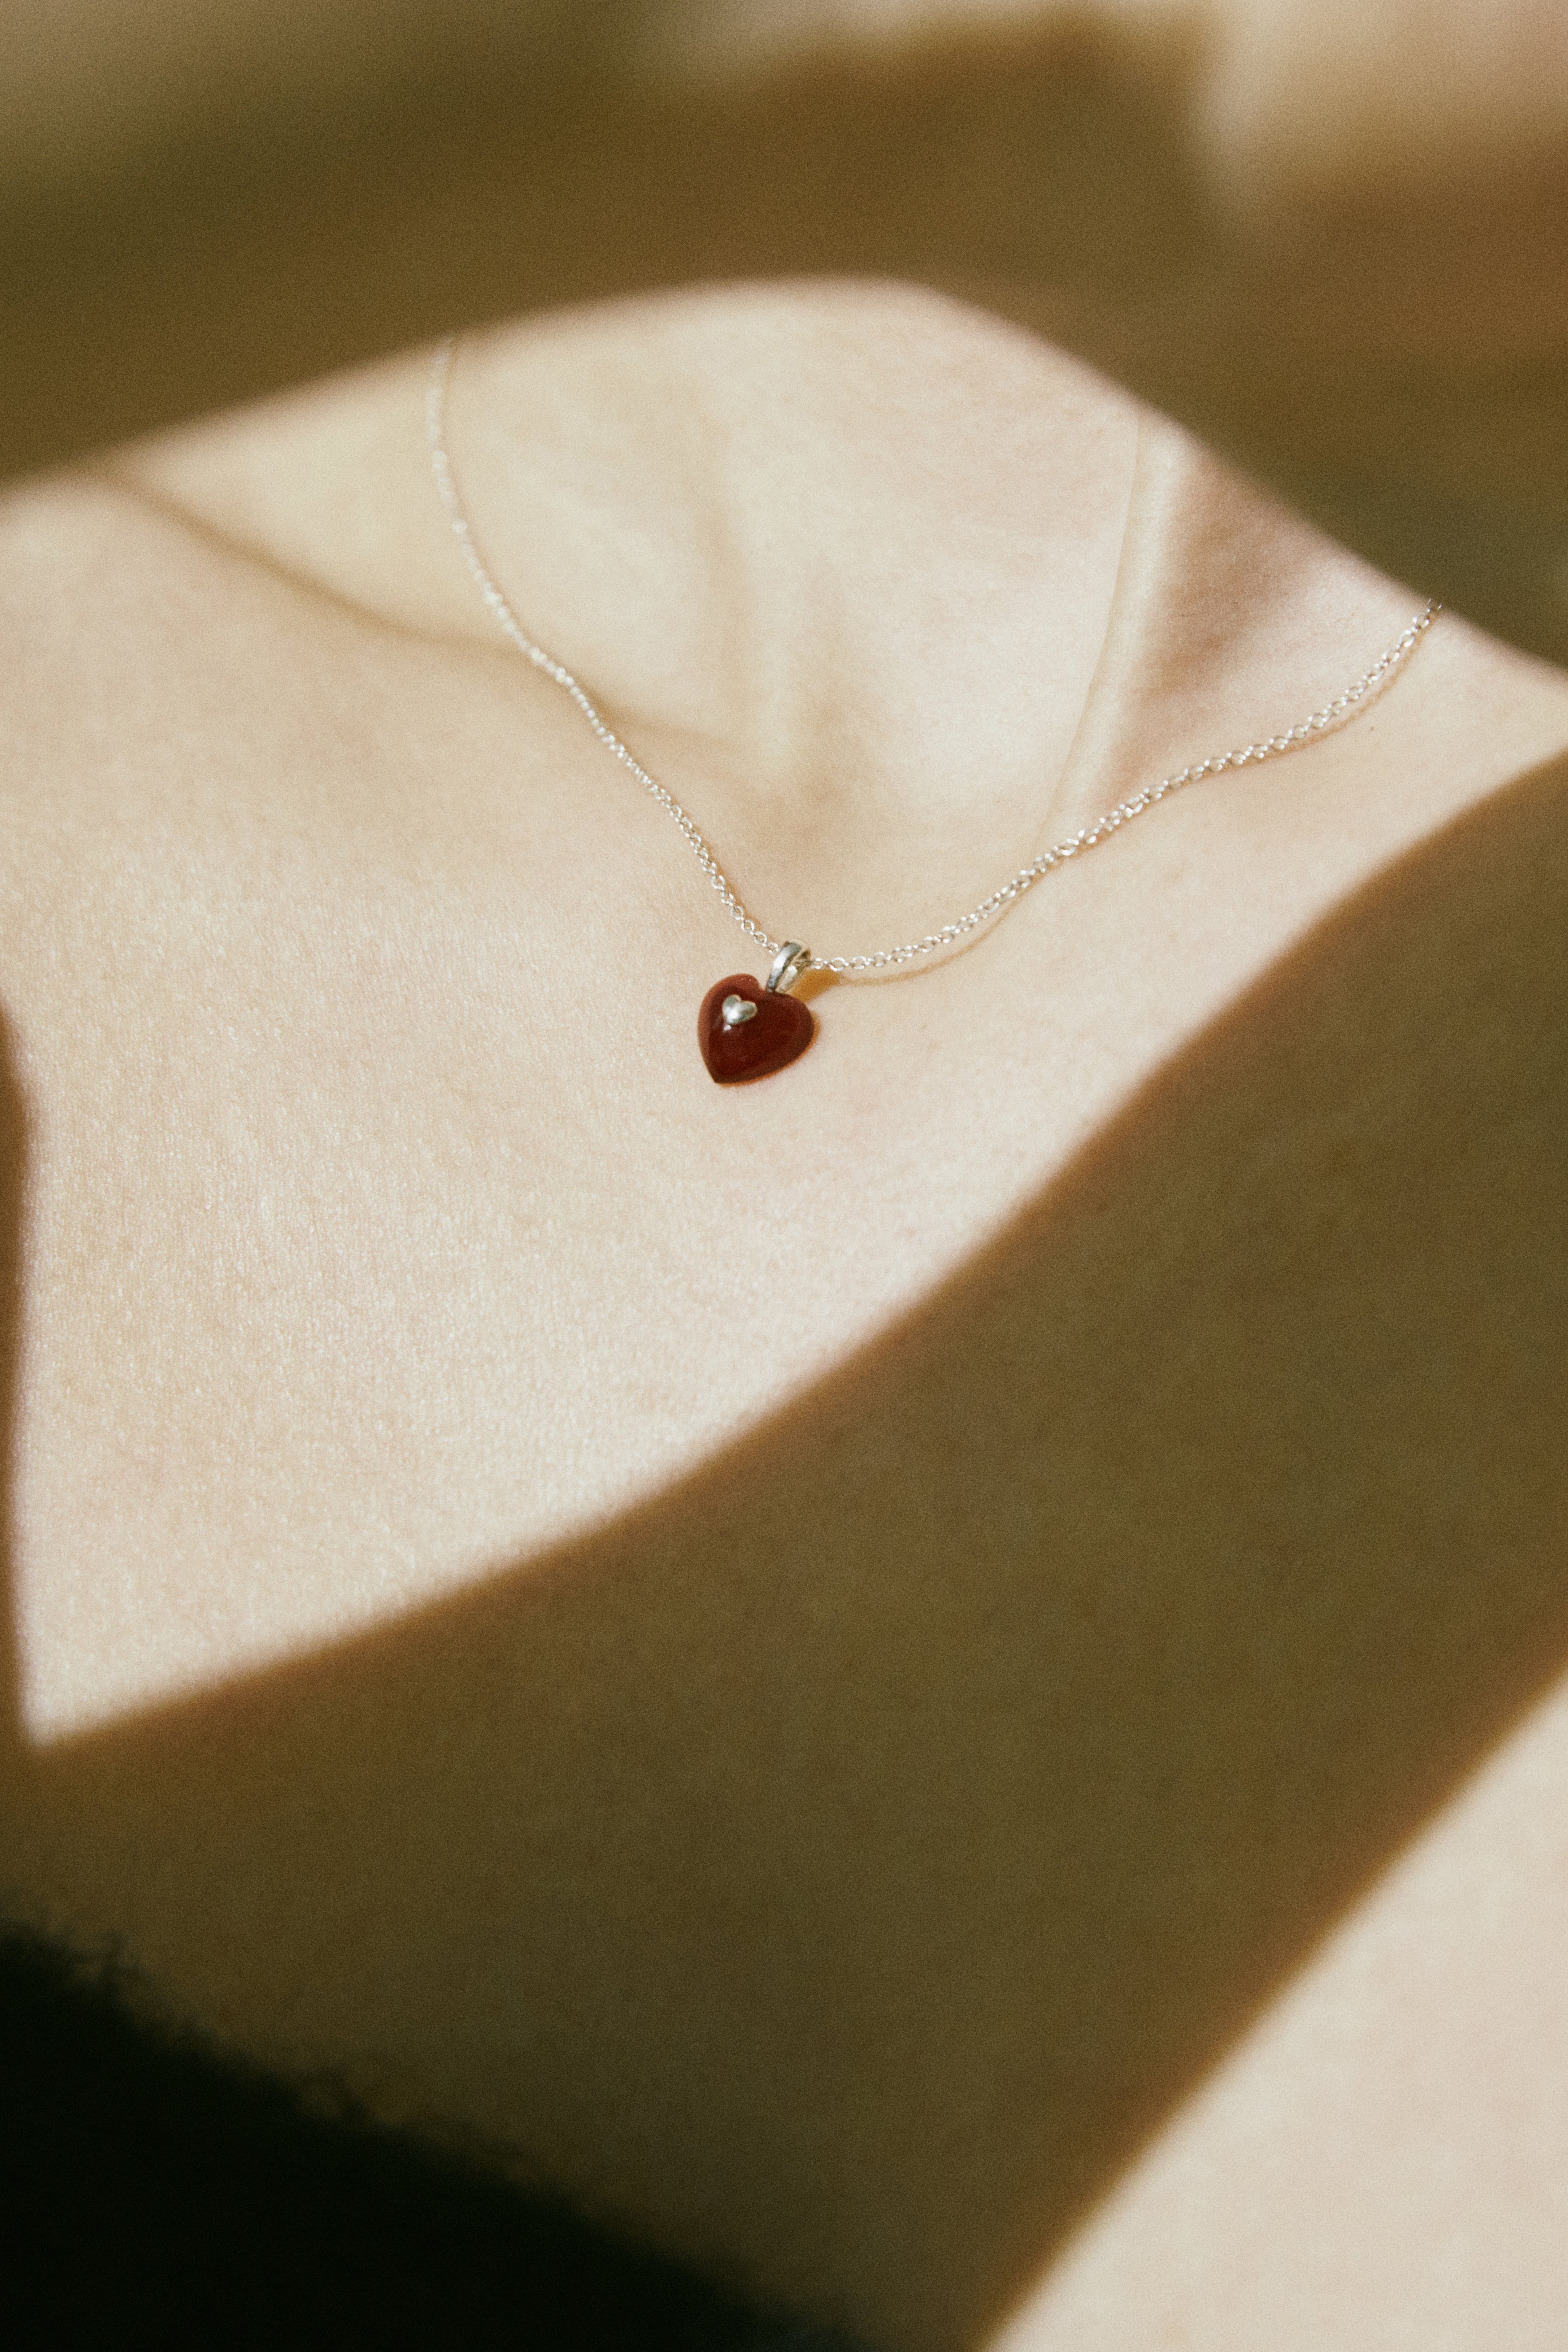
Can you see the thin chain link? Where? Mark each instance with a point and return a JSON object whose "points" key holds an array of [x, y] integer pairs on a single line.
{"points": [[1319, 723]]}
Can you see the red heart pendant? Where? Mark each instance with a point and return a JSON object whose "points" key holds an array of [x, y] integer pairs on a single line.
{"points": [[738, 1044]]}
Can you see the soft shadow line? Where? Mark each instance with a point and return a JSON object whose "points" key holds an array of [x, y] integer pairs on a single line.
{"points": [[842, 1861], [13, 1180]]}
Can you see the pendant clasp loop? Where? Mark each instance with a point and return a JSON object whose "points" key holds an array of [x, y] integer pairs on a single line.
{"points": [[787, 967]]}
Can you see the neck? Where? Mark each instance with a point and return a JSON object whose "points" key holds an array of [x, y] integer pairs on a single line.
{"points": [[887, 591], [839, 562]]}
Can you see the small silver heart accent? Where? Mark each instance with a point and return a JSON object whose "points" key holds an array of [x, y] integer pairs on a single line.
{"points": [[736, 1009]]}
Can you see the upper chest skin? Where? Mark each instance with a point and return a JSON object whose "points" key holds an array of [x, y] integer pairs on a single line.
{"points": [[785, 1624]]}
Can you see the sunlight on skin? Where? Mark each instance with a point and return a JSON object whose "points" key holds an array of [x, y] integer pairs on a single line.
{"points": [[1384, 2159], [408, 1196], [637, 1619], [1025, 1747]]}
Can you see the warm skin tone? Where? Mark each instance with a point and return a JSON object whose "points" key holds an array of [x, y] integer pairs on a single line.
{"points": [[837, 1862], [810, 1657]]}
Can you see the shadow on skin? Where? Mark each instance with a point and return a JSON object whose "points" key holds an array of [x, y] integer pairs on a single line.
{"points": [[13, 1179], [843, 1860]]}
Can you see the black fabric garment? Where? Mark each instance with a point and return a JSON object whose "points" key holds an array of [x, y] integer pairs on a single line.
{"points": [[154, 2194]]}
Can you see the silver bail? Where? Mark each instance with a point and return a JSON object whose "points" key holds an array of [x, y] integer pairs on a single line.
{"points": [[787, 966]]}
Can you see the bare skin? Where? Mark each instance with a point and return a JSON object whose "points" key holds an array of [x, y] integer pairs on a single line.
{"points": [[810, 1657]]}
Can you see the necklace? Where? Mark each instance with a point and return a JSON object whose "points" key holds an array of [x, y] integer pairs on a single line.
{"points": [[748, 1029]]}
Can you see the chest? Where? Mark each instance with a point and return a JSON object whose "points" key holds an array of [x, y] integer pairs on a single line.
{"points": [[895, 1602]]}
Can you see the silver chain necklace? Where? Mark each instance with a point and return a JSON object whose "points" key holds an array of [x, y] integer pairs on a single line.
{"points": [[747, 1029]]}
